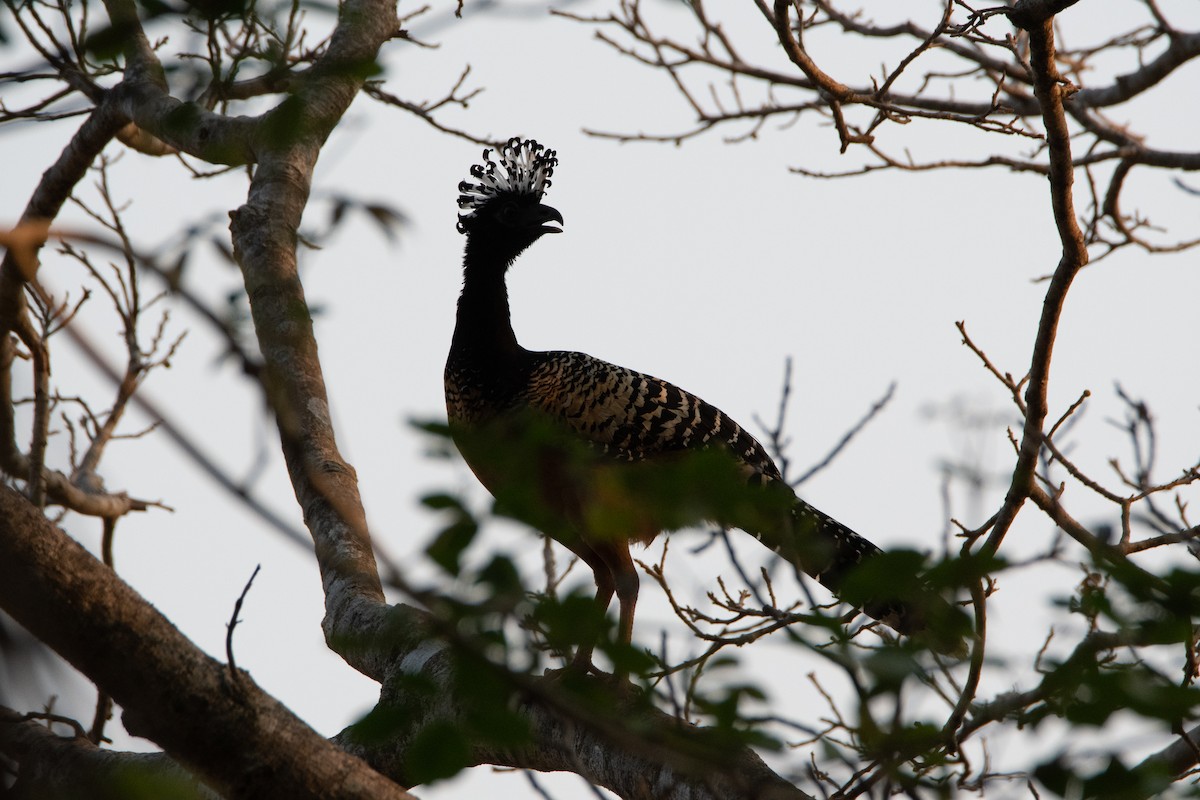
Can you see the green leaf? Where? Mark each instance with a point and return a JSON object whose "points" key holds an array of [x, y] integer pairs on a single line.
{"points": [[380, 724], [155, 8], [135, 782], [394, 715], [439, 750], [286, 123], [891, 666], [441, 502], [437, 428], [447, 548], [387, 218], [627, 657], [1087, 693], [917, 737], [568, 621], [216, 9], [106, 43], [501, 726], [1114, 782], [501, 576], [889, 576]]}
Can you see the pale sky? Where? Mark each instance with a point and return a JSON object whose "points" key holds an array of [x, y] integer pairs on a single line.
{"points": [[707, 265]]}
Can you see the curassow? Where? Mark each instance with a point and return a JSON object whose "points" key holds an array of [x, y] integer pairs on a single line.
{"points": [[573, 439]]}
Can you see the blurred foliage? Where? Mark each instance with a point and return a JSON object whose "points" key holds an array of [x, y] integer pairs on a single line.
{"points": [[1127, 607]]}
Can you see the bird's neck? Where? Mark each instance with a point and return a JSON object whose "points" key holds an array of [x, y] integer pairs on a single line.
{"points": [[484, 325]]}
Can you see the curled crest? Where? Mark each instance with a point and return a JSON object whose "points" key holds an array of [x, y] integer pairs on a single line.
{"points": [[523, 167]]}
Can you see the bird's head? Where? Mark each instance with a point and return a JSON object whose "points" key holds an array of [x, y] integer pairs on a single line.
{"points": [[502, 205]]}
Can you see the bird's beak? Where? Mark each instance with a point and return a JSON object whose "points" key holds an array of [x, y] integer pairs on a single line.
{"points": [[545, 213]]}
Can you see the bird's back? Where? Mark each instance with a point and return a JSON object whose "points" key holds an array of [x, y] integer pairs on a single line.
{"points": [[606, 445], [630, 416]]}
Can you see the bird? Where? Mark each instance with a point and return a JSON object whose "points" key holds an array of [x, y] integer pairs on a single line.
{"points": [[585, 448]]}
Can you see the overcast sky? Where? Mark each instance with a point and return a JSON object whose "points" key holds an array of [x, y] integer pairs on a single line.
{"points": [[707, 264]]}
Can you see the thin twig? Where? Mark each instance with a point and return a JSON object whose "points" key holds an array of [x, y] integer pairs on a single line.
{"points": [[233, 621]]}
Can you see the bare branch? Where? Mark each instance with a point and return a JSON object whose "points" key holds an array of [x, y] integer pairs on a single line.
{"points": [[234, 674], [1050, 88]]}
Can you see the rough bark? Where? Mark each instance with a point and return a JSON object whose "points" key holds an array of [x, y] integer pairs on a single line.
{"points": [[221, 725], [60, 767]]}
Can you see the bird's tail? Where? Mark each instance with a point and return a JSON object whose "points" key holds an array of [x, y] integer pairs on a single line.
{"points": [[858, 572]]}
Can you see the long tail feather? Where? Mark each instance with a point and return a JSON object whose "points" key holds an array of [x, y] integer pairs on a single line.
{"points": [[828, 551]]}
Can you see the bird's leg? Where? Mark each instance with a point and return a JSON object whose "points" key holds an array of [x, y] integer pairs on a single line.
{"points": [[604, 592], [626, 584], [614, 570]]}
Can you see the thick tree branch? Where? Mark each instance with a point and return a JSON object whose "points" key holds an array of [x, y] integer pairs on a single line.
{"points": [[242, 742], [188, 127], [264, 238], [1176, 760], [607, 735], [822, 81], [54, 767], [143, 97], [1181, 48]]}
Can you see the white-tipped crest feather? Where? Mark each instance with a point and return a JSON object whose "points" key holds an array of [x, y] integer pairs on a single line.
{"points": [[524, 168]]}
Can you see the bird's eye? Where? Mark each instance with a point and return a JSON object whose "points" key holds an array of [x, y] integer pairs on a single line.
{"points": [[507, 213]]}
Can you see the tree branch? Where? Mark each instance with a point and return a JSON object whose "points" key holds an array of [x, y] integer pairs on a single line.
{"points": [[59, 767], [18, 268], [243, 743], [1050, 89], [264, 238], [1175, 760]]}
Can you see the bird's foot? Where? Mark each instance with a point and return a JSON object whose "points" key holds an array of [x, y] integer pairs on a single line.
{"points": [[579, 666]]}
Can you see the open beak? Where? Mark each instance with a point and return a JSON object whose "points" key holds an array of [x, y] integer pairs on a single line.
{"points": [[546, 214]]}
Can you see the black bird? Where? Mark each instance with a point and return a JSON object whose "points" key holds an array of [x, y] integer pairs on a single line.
{"points": [[580, 444]]}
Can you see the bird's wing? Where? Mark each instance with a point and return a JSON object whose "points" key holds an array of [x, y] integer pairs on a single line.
{"points": [[632, 416]]}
